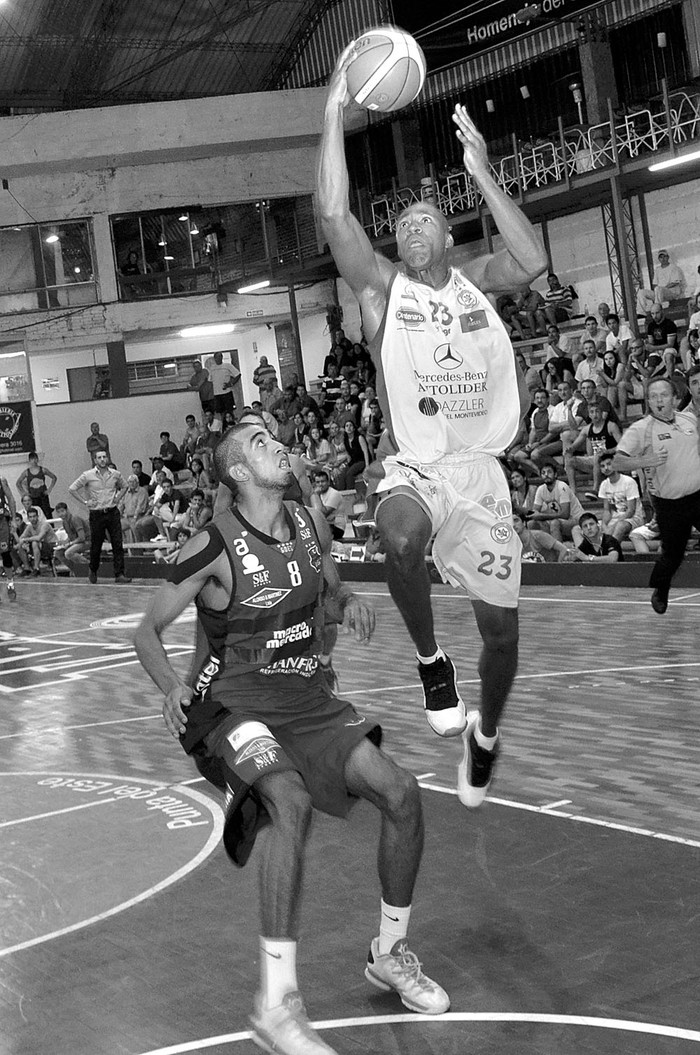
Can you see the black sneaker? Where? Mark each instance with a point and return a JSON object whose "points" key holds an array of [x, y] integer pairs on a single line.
{"points": [[92, 576], [11, 592], [659, 601], [475, 771], [444, 707]]}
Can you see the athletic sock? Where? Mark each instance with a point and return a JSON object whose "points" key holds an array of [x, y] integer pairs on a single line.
{"points": [[487, 742], [393, 925], [425, 660], [278, 970], [325, 660]]}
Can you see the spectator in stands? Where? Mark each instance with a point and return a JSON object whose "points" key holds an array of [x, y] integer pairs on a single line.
{"points": [[694, 319], [317, 449], [661, 332], [340, 458], [530, 306], [559, 300], [195, 517], [522, 494], [97, 441], [538, 433], [366, 398], [695, 293], [132, 507], [359, 456], [596, 546], [285, 427], [366, 372], [202, 479], [33, 482], [668, 286], [162, 507], [553, 373], [690, 349], [290, 401], [591, 366], [593, 332], [539, 546], [264, 373], [193, 431], [311, 421], [557, 347], [375, 426], [76, 528], [349, 361], [330, 389], [603, 311], [223, 377], [557, 507], [26, 504], [300, 430], [338, 344], [137, 470], [587, 391], [326, 499], [532, 374], [622, 502], [269, 420], [610, 377], [593, 440], [36, 543], [565, 420], [182, 535], [170, 453], [211, 434], [632, 386], [159, 466], [307, 401], [200, 383], [353, 403], [618, 337], [509, 312], [271, 396]]}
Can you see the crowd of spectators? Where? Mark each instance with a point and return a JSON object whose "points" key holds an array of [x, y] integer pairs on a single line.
{"points": [[560, 462]]}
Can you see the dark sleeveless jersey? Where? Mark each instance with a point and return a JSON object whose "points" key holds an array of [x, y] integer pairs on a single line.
{"points": [[601, 440], [4, 504], [268, 627]]}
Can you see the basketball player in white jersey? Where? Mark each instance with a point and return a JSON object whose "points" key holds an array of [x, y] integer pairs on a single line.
{"points": [[452, 399]]}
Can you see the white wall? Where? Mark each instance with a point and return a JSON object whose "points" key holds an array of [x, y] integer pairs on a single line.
{"points": [[674, 224]]}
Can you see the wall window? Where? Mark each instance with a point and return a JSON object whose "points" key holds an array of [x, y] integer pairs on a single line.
{"points": [[44, 266], [196, 249]]}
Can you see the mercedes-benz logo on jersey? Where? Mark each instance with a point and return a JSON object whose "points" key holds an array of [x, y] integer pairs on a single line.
{"points": [[447, 358]]}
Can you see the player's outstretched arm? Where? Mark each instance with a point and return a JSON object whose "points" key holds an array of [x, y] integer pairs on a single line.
{"points": [[192, 572], [351, 248], [524, 257], [359, 616]]}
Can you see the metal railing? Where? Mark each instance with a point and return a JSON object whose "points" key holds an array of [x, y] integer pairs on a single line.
{"points": [[571, 153]]}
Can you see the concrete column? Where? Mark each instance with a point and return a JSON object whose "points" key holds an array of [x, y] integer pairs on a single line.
{"points": [[597, 74]]}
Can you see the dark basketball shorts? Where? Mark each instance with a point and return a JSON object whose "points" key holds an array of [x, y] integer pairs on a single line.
{"points": [[5, 537], [315, 743]]}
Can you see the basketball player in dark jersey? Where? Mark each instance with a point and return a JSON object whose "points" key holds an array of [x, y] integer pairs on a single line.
{"points": [[452, 400], [7, 512], [261, 724]]}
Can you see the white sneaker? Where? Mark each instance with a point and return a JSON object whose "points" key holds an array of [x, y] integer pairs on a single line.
{"points": [[444, 707], [400, 970], [475, 771], [285, 1030]]}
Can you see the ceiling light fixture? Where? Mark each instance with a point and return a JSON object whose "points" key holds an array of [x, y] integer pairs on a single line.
{"points": [[168, 257], [51, 238], [194, 230], [184, 217], [262, 284], [208, 331], [684, 159]]}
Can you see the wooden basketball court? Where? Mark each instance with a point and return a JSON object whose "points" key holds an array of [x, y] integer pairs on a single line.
{"points": [[561, 917]]}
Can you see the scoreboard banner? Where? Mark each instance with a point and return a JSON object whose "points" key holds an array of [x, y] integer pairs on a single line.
{"points": [[16, 428]]}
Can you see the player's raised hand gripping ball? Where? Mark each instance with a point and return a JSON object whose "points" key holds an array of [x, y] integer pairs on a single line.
{"points": [[388, 70]]}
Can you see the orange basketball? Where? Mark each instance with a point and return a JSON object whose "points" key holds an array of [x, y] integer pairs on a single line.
{"points": [[389, 70]]}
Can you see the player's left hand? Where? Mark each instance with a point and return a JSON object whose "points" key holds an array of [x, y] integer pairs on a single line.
{"points": [[359, 619], [476, 159]]}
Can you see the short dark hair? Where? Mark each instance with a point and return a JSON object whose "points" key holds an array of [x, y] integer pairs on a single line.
{"points": [[61, 505], [321, 472], [32, 454], [606, 456], [589, 318], [137, 461], [613, 316], [165, 434], [229, 451], [197, 493], [694, 371], [587, 516]]}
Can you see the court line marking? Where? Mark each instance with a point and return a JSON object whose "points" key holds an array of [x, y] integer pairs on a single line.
{"points": [[42, 731], [548, 811], [549, 600], [209, 847], [55, 813], [81, 675], [622, 1025], [529, 677]]}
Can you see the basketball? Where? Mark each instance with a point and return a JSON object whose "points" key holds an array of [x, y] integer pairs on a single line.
{"points": [[389, 70]]}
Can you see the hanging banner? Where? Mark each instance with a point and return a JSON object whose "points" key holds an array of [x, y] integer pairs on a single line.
{"points": [[16, 428], [491, 26]]}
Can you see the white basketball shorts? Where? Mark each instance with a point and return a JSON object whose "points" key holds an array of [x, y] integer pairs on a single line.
{"points": [[467, 500]]}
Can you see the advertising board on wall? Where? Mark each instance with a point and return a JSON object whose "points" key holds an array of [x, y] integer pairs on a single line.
{"points": [[16, 428]]}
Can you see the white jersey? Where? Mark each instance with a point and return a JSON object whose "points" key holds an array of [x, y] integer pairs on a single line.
{"points": [[446, 373]]}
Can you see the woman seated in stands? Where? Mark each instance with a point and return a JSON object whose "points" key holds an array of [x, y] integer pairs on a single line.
{"points": [[340, 459], [610, 376], [202, 480], [553, 373], [358, 456], [317, 449], [522, 494], [690, 349]]}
